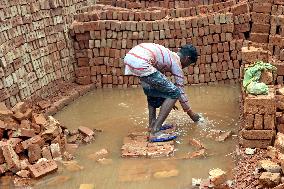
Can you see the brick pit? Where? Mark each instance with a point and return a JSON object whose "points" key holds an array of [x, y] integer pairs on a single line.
{"points": [[48, 43]]}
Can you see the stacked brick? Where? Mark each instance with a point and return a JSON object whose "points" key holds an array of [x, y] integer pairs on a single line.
{"points": [[250, 54], [183, 11], [30, 144], [137, 145], [242, 19], [35, 49], [156, 13], [160, 3], [258, 129], [280, 109], [266, 30], [100, 45]]}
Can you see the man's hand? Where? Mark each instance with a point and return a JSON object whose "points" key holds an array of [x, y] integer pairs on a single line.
{"points": [[195, 117]]}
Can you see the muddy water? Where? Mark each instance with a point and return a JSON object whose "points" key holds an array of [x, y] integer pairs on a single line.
{"points": [[118, 112]]}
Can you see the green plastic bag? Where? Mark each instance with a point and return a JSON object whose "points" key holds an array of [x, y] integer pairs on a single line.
{"points": [[252, 75]]}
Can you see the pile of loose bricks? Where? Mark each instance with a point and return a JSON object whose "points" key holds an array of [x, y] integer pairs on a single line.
{"points": [[137, 145], [35, 48], [30, 143]]}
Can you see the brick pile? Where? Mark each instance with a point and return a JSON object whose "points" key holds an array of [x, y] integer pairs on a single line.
{"points": [[30, 143], [100, 45], [137, 145], [35, 49], [258, 129]]}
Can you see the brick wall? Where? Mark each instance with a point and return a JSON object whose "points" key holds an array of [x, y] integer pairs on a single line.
{"points": [[267, 30], [103, 37], [35, 49], [160, 3]]}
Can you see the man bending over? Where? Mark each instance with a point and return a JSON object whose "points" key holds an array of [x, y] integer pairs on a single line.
{"points": [[150, 61]]}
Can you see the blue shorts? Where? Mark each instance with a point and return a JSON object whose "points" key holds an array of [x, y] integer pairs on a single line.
{"points": [[157, 87]]}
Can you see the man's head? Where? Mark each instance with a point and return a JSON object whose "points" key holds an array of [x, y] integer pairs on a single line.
{"points": [[188, 55]]}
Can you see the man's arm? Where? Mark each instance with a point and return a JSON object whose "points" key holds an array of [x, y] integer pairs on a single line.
{"points": [[179, 82]]}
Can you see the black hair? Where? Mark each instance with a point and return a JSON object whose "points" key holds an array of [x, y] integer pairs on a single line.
{"points": [[189, 50]]}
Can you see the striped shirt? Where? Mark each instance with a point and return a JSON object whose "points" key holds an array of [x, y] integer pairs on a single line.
{"points": [[147, 58]]}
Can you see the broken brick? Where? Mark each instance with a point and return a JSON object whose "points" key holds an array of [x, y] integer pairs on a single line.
{"points": [[87, 131], [11, 158], [34, 153], [42, 168], [217, 176], [196, 143], [44, 104], [20, 107], [3, 168], [268, 179], [46, 153], [34, 140], [23, 173], [39, 119], [55, 151], [4, 111]]}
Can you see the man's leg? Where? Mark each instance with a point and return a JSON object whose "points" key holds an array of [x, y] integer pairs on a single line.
{"points": [[165, 110], [152, 116]]}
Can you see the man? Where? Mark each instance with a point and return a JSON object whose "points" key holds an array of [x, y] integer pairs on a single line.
{"points": [[149, 61]]}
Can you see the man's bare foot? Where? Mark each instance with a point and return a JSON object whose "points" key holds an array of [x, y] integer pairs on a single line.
{"points": [[160, 137]]}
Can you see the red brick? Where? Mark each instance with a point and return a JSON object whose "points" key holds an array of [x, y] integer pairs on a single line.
{"points": [[260, 18], [82, 71], [84, 80], [218, 76], [24, 133], [269, 121], [249, 121], [34, 153], [2, 158], [241, 8], [83, 62], [258, 121], [87, 131], [259, 37], [279, 2], [3, 169], [55, 150], [280, 128], [260, 28], [257, 134], [43, 168], [11, 158], [38, 119], [254, 143], [261, 104], [34, 140], [280, 68], [262, 7]]}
